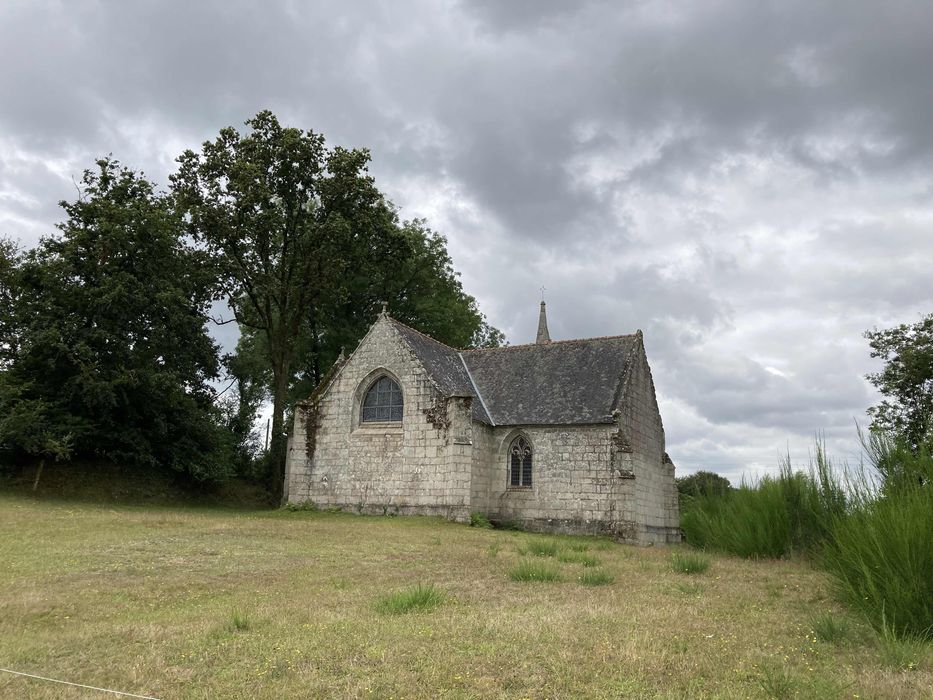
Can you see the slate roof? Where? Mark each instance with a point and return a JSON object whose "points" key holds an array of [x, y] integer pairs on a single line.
{"points": [[558, 383], [444, 365]]}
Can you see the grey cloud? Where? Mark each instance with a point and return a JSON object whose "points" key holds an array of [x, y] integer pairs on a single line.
{"points": [[748, 183]]}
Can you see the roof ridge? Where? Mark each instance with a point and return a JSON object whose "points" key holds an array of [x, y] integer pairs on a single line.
{"points": [[423, 335], [553, 342]]}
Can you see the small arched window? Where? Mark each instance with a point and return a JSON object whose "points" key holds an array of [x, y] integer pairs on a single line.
{"points": [[520, 462], [383, 402]]}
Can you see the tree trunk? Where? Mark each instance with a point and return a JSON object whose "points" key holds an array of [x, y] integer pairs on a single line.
{"points": [[35, 484], [279, 443]]}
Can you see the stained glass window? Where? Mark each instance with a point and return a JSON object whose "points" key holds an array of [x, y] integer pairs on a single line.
{"points": [[383, 402], [520, 462]]}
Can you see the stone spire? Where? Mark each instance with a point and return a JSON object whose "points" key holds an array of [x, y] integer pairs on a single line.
{"points": [[543, 336]]}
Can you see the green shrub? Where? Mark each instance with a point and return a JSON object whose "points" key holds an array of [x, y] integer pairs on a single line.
{"points": [[773, 517], [689, 562], [880, 554], [540, 548], [420, 598], [477, 519], [529, 570], [595, 577]]}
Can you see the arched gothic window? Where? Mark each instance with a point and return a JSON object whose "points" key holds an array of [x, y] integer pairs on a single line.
{"points": [[520, 462], [383, 402]]}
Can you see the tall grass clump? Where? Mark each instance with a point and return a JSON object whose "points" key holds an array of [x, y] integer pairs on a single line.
{"points": [[540, 548], [420, 598], [239, 621], [689, 562], [773, 517], [529, 570], [880, 554], [596, 577]]}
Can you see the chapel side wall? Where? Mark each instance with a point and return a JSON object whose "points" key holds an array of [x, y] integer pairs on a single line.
{"points": [[573, 487], [656, 505], [412, 468], [483, 465]]}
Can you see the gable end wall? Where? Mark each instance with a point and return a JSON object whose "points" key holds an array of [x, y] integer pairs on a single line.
{"points": [[640, 451], [421, 466]]}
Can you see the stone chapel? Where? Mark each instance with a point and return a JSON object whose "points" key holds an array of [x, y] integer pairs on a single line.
{"points": [[554, 436]]}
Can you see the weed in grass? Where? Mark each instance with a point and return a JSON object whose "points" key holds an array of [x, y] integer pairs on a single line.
{"points": [[575, 546], [689, 588], [689, 562], [306, 506], [901, 651], [477, 519], [540, 548], [774, 591], [776, 683], [830, 628], [239, 622], [493, 550], [420, 598], [578, 558], [604, 544], [596, 577], [527, 570]]}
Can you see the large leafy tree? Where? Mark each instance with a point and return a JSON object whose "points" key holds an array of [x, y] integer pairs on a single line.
{"points": [[275, 208], [410, 270], [905, 381], [10, 259], [112, 357], [308, 247]]}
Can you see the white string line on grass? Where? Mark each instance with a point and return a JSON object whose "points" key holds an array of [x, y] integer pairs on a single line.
{"points": [[77, 685]]}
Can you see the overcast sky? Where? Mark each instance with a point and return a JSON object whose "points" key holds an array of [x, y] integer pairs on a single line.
{"points": [[749, 183]]}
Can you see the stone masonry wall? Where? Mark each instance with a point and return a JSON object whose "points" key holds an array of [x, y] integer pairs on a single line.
{"points": [[421, 466], [608, 479], [639, 453], [601, 479], [573, 488]]}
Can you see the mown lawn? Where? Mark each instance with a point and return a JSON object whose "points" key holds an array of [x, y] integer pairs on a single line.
{"points": [[209, 603]]}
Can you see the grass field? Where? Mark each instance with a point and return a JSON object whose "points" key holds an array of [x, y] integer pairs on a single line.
{"points": [[209, 603]]}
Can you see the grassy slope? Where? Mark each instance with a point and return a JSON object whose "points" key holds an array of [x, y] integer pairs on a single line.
{"points": [[217, 603]]}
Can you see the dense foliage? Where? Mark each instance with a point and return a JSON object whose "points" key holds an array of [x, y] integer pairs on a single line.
{"points": [[868, 527], [774, 517], [906, 381], [104, 343], [308, 248], [110, 356], [880, 552], [700, 483]]}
